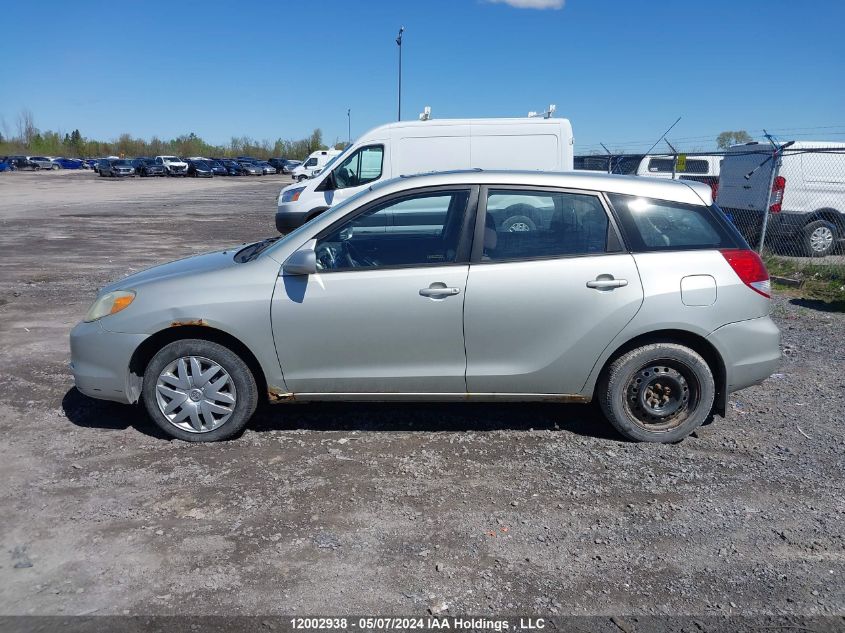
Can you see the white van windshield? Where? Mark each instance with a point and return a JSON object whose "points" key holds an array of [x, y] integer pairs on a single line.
{"points": [[335, 158]]}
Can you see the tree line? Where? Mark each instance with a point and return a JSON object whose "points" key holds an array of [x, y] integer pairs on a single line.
{"points": [[29, 140]]}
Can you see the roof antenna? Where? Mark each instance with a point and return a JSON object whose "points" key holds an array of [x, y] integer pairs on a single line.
{"points": [[662, 136], [547, 114], [425, 115]]}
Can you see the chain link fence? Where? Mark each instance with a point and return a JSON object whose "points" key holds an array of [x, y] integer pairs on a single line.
{"points": [[787, 200]]}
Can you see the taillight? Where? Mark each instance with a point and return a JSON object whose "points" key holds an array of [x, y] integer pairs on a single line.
{"points": [[714, 189], [750, 269], [778, 186]]}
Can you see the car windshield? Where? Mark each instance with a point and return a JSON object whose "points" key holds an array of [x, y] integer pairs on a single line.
{"points": [[122, 163], [201, 163]]}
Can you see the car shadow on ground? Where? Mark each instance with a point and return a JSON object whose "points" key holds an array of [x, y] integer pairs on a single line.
{"points": [[820, 305], [583, 420]]}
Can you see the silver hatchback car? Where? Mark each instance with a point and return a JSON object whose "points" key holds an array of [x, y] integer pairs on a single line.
{"points": [[497, 286]]}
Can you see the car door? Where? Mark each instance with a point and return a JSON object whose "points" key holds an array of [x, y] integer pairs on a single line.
{"points": [[384, 312], [549, 287]]}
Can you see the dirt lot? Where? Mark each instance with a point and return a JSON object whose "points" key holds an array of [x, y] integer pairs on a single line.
{"points": [[382, 508]]}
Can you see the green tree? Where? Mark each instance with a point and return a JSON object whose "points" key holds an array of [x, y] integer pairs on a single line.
{"points": [[728, 138]]}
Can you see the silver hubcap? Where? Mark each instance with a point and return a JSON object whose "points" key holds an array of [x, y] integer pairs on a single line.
{"points": [[821, 239], [519, 227], [195, 394]]}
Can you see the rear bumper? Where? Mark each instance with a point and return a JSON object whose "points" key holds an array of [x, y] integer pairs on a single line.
{"points": [[750, 350], [99, 361]]}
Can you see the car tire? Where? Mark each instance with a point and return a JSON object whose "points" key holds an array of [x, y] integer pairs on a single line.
{"points": [[819, 238], [160, 384], [301, 178], [56, 167], [518, 224], [657, 393]]}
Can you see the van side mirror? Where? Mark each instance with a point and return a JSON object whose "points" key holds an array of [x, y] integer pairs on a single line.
{"points": [[328, 183], [302, 261]]}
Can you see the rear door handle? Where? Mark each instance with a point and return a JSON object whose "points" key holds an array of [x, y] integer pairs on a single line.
{"points": [[439, 290], [608, 283]]}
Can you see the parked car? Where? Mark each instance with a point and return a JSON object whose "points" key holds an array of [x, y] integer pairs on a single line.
{"points": [[174, 165], [217, 168], [314, 164], [145, 167], [19, 162], [199, 169], [250, 168], [636, 293], [234, 168], [416, 147], [290, 165], [6, 164], [802, 192], [266, 166], [98, 161], [284, 165], [116, 168], [278, 164], [41, 162], [67, 163]]}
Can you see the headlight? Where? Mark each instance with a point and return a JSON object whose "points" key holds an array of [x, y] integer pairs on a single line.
{"points": [[292, 195], [110, 303]]}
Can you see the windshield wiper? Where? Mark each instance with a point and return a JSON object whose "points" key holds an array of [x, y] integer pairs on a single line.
{"points": [[248, 253]]}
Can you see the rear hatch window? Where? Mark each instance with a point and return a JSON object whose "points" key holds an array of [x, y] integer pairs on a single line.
{"points": [[661, 225]]}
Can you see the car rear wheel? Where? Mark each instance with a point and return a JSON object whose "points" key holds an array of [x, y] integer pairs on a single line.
{"points": [[199, 391], [301, 178], [819, 238], [657, 393]]}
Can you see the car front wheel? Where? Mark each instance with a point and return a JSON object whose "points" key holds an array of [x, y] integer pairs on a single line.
{"points": [[657, 393], [199, 391]]}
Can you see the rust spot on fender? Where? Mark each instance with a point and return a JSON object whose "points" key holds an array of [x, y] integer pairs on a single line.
{"points": [[199, 322], [277, 395]]}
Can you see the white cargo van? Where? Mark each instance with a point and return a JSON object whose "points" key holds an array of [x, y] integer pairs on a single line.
{"points": [[315, 162], [413, 147], [802, 192]]}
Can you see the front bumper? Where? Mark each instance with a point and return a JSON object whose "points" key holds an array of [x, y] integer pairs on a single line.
{"points": [[99, 361], [750, 350]]}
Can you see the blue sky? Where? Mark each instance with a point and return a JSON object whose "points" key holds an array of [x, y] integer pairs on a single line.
{"points": [[621, 70]]}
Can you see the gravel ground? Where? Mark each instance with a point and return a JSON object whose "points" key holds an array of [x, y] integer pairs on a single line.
{"points": [[366, 508]]}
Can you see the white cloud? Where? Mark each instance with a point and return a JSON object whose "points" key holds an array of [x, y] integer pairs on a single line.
{"points": [[531, 4]]}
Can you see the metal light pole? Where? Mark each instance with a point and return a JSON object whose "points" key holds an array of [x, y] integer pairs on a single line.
{"points": [[399, 43], [349, 125]]}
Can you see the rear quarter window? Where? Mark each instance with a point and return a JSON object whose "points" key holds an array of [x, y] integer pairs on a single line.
{"points": [[661, 225]]}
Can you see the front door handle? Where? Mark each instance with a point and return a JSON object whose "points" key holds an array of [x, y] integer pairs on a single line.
{"points": [[438, 289], [607, 282]]}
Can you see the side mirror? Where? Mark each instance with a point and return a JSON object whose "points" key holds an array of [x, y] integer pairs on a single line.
{"points": [[303, 261], [328, 183]]}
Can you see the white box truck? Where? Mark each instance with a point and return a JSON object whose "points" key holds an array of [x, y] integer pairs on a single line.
{"points": [[405, 148], [799, 195]]}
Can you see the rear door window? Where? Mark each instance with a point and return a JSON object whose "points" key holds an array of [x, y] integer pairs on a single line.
{"points": [[660, 225], [536, 224], [666, 166]]}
